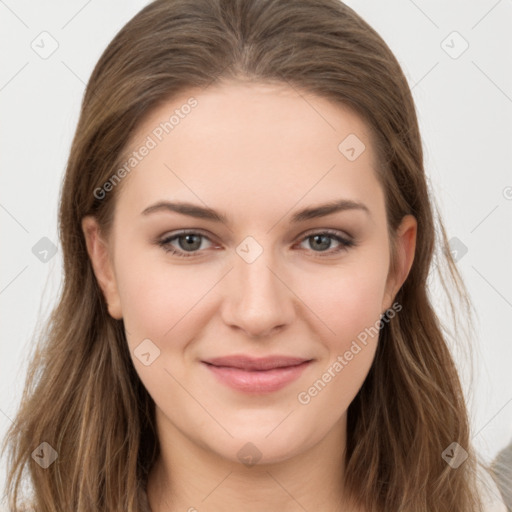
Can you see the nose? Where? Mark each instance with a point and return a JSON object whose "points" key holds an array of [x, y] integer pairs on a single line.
{"points": [[259, 297]]}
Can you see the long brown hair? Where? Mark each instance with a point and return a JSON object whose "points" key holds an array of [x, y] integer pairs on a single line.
{"points": [[83, 396]]}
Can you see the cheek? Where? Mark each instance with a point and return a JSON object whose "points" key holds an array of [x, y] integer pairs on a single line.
{"points": [[348, 300], [352, 311], [161, 312], [156, 303]]}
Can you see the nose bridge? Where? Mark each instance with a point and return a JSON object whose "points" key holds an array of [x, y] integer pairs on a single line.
{"points": [[258, 301]]}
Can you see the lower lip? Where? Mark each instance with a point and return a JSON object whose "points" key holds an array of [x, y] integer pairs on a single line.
{"points": [[258, 381]]}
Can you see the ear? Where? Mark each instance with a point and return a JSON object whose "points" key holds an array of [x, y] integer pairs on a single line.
{"points": [[98, 251], [405, 249]]}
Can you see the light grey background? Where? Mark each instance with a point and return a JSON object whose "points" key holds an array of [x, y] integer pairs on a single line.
{"points": [[464, 104]]}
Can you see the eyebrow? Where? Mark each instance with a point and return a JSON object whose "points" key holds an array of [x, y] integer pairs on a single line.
{"points": [[201, 212]]}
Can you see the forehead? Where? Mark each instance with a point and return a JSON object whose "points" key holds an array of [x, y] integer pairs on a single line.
{"points": [[259, 146]]}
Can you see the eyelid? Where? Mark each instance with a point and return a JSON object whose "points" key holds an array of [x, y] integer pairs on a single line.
{"points": [[330, 231]]}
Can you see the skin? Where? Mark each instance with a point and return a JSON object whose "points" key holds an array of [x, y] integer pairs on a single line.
{"points": [[257, 153]]}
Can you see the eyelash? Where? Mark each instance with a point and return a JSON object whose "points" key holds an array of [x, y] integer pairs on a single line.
{"points": [[345, 243]]}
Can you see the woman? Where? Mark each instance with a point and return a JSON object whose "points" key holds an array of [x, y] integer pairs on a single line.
{"points": [[291, 359]]}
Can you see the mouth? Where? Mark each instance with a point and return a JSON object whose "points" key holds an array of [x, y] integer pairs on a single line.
{"points": [[257, 375]]}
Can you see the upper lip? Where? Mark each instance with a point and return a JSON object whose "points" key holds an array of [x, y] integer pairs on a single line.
{"points": [[248, 363]]}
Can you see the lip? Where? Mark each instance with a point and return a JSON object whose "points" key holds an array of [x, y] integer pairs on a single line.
{"points": [[257, 375]]}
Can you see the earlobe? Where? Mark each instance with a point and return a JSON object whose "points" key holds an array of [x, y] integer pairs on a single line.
{"points": [[405, 250], [97, 249]]}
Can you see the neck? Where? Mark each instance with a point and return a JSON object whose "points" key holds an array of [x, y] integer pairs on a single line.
{"points": [[189, 477]]}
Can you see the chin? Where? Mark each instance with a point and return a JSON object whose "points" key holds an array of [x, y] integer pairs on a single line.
{"points": [[252, 447]]}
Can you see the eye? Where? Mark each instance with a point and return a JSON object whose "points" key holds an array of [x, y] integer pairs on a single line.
{"points": [[190, 242], [322, 240]]}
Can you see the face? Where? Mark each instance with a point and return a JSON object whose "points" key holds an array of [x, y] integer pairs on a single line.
{"points": [[245, 312]]}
